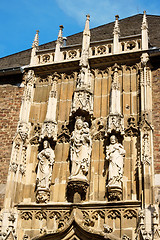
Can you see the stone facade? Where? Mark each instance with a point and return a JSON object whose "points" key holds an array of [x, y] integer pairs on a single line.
{"points": [[82, 162], [10, 102]]}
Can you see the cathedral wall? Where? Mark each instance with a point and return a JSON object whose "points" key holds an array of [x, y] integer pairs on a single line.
{"points": [[156, 118], [10, 102], [156, 124], [66, 84]]}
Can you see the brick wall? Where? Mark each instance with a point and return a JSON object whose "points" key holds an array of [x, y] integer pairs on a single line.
{"points": [[10, 102], [156, 118]]}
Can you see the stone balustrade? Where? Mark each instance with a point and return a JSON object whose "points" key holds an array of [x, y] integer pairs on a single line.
{"points": [[70, 53]]}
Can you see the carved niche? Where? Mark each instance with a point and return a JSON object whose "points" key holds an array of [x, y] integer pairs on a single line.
{"points": [[82, 101], [49, 130], [80, 154], [115, 122]]}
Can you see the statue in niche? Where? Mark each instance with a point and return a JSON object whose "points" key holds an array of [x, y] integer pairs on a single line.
{"points": [[115, 155], [80, 150], [44, 173]]}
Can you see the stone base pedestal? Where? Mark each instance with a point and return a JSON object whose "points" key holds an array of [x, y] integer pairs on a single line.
{"points": [[42, 195], [114, 193], [76, 190]]}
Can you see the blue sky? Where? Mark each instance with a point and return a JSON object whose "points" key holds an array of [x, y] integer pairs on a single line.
{"points": [[19, 19]]}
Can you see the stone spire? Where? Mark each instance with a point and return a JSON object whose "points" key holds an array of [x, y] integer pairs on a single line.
{"points": [[34, 48], [86, 42], [36, 40], [116, 33], [85, 73], [83, 96], [115, 92], [59, 44], [144, 29], [49, 128]]}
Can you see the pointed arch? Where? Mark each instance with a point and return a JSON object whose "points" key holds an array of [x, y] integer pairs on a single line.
{"points": [[76, 232]]}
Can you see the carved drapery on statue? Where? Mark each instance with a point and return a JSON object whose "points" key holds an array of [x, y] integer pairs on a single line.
{"points": [[80, 150], [115, 155], [80, 154], [44, 172]]}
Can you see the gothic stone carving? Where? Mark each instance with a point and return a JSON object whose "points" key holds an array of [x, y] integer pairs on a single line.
{"points": [[64, 136], [141, 226], [115, 154], [98, 129], [49, 130], [41, 215], [115, 122], [80, 150], [13, 167], [131, 130], [82, 100], [146, 156], [107, 229], [26, 215], [76, 186], [23, 130], [44, 172]]}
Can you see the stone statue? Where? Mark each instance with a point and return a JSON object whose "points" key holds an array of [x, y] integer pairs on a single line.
{"points": [[115, 154], [80, 150], [46, 160]]}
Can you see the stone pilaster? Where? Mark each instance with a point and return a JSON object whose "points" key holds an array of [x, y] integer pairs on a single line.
{"points": [[116, 33], [144, 29]]}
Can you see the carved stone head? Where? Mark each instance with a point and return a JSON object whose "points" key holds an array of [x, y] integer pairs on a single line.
{"points": [[113, 139], [79, 124], [46, 144]]}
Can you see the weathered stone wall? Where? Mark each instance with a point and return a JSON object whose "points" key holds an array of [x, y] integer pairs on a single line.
{"points": [[101, 83], [156, 118], [10, 102]]}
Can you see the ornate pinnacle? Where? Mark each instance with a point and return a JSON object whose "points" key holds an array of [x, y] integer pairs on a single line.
{"points": [[116, 25], [86, 29], [36, 40], [144, 22], [60, 35]]}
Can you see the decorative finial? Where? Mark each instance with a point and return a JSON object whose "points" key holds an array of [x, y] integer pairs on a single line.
{"points": [[116, 25], [144, 22], [116, 33], [86, 29], [144, 29], [60, 32], [36, 40], [116, 17], [88, 17]]}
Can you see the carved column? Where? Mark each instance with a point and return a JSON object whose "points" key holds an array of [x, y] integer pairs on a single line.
{"points": [[146, 216], [115, 120], [59, 44], [46, 156], [81, 112], [83, 96], [115, 130], [146, 130], [49, 128], [19, 149], [35, 45], [116, 33], [144, 29]]}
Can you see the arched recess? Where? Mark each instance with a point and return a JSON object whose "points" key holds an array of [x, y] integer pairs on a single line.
{"points": [[76, 232]]}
